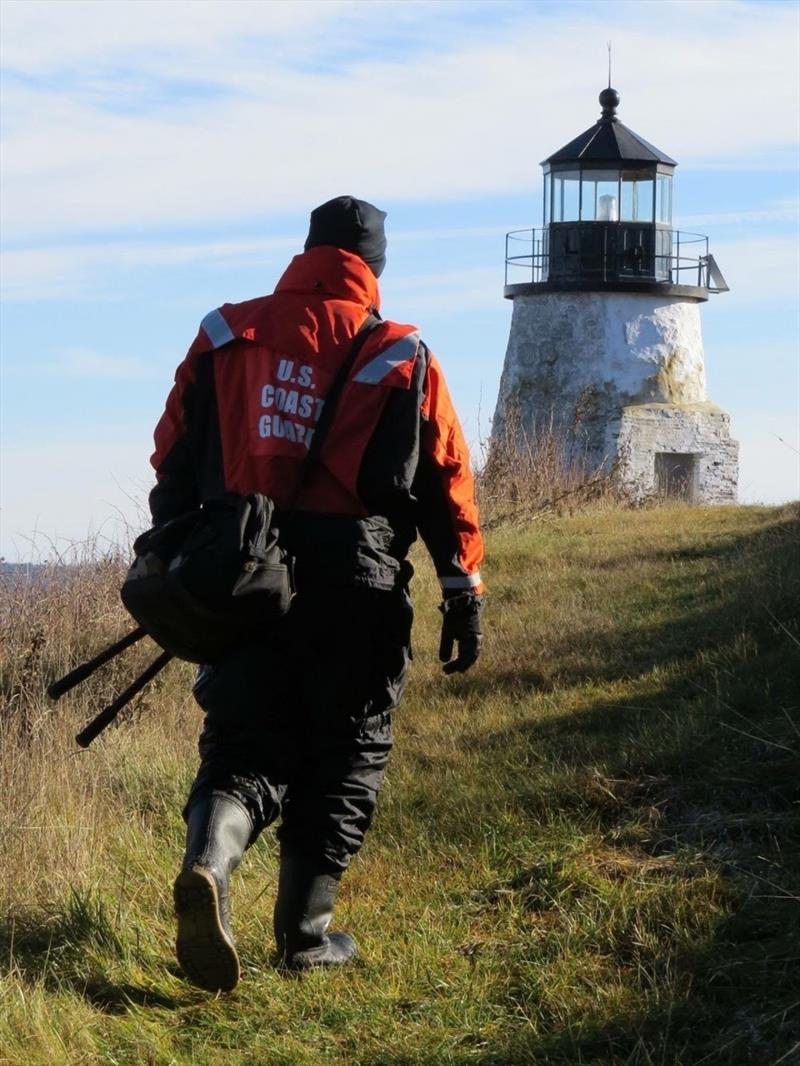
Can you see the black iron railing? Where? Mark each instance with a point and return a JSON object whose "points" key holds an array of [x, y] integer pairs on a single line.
{"points": [[591, 252]]}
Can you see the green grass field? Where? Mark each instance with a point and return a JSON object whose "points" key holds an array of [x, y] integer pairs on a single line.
{"points": [[587, 849]]}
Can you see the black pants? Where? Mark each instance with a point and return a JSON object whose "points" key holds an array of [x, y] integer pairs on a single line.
{"points": [[299, 724]]}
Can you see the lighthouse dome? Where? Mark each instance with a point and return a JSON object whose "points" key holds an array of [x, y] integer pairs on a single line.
{"points": [[609, 141]]}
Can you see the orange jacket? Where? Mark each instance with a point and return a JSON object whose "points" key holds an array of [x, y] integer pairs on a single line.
{"points": [[247, 398]]}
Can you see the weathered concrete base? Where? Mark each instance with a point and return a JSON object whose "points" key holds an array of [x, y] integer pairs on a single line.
{"points": [[618, 376], [580, 357], [680, 450]]}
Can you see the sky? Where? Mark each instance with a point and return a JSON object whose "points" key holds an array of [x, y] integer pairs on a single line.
{"points": [[160, 158]]}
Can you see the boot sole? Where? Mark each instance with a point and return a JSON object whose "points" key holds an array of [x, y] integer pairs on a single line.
{"points": [[205, 951]]}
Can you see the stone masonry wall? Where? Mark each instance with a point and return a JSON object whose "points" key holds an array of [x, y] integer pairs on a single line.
{"points": [[700, 430]]}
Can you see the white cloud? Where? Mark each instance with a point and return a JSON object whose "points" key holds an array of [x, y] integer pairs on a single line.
{"points": [[471, 289], [71, 270], [87, 363], [283, 120], [42, 35], [42, 273], [782, 211]]}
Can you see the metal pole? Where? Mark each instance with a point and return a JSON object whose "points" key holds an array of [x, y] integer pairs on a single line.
{"points": [[80, 673], [706, 261], [107, 716]]}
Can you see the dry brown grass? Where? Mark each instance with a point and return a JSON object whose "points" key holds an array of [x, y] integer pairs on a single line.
{"points": [[531, 472], [64, 807]]}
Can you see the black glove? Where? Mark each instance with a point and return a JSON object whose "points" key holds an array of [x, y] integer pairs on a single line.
{"points": [[461, 625]]}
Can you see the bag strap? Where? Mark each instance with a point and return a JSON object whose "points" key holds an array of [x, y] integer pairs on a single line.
{"points": [[370, 323]]}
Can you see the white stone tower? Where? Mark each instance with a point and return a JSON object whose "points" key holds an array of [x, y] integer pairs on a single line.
{"points": [[605, 342]]}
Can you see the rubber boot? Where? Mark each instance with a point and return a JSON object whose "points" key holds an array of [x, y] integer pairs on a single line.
{"points": [[218, 830], [303, 911]]}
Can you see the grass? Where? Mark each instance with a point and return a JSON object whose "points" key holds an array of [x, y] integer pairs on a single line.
{"points": [[587, 849]]}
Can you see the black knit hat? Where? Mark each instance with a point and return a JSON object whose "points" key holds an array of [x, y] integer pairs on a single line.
{"points": [[353, 225]]}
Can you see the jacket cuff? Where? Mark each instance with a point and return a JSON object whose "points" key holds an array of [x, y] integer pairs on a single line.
{"points": [[459, 584]]}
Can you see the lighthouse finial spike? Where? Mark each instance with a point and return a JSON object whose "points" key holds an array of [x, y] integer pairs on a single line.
{"points": [[609, 98]]}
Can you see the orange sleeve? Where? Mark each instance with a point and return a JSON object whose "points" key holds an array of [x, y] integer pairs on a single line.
{"points": [[172, 424], [452, 531], [176, 488]]}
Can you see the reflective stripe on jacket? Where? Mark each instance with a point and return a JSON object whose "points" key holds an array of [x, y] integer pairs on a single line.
{"points": [[246, 401]]}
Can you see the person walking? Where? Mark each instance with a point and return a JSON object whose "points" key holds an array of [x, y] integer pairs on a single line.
{"points": [[298, 723]]}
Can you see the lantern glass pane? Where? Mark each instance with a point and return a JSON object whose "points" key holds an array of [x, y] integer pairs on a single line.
{"points": [[664, 199], [548, 193], [600, 196], [637, 196], [566, 190]]}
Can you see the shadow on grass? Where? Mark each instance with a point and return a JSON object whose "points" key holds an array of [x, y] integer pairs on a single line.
{"points": [[716, 804], [118, 997], [75, 949]]}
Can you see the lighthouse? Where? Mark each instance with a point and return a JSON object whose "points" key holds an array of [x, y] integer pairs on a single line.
{"points": [[605, 345]]}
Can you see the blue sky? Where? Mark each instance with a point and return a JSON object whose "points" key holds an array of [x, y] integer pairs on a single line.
{"points": [[161, 158]]}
